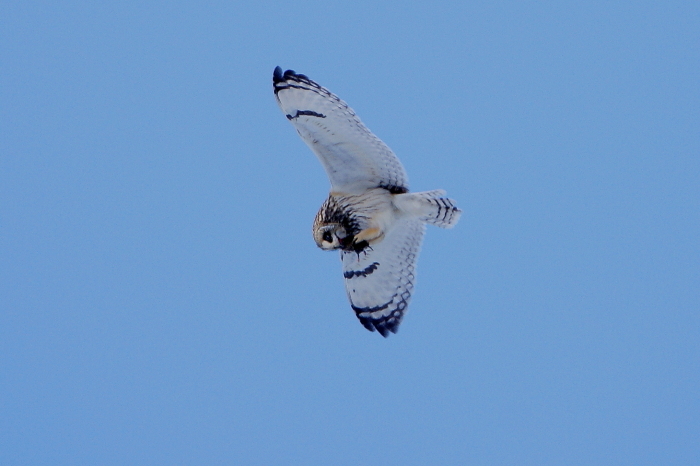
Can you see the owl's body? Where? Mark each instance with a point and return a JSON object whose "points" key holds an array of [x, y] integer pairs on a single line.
{"points": [[369, 216], [363, 216]]}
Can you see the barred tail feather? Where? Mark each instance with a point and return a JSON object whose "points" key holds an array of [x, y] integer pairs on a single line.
{"points": [[430, 207]]}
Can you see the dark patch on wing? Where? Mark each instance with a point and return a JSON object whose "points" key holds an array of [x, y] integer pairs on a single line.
{"points": [[306, 113], [370, 309], [393, 189], [361, 273]]}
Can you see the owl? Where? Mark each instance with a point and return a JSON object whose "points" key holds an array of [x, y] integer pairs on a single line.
{"points": [[370, 216]]}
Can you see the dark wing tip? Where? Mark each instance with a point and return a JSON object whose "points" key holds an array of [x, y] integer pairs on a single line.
{"points": [[383, 325], [382, 329], [277, 75]]}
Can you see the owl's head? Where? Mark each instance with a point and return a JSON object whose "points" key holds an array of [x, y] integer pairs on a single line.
{"points": [[330, 236]]}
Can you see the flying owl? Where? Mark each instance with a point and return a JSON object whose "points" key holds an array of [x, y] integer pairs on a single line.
{"points": [[369, 216]]}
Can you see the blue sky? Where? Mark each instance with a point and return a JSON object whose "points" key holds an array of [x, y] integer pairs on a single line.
{"points": [[162, 300]]}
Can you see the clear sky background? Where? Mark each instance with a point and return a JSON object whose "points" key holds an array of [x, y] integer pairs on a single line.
{"points": [[162, 300]]}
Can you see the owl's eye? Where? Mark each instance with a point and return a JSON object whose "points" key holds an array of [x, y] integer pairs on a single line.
{"points": [[327, 237]]}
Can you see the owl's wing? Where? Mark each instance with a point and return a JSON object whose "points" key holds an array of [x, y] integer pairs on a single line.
{"points": [[353, 157], [379, 279]]}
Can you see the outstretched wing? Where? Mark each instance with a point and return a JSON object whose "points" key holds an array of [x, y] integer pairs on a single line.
{"points": [[379, 280], [354, 158]]}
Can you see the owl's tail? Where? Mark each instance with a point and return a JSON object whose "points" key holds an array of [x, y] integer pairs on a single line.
{"points": [[429, 206]]}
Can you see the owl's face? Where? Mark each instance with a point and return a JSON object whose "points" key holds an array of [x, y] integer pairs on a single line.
{"points": [[330, 236]]}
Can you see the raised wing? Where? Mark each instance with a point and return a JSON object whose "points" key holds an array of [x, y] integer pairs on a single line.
{"points": [[379, 280], [354, 158]]}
